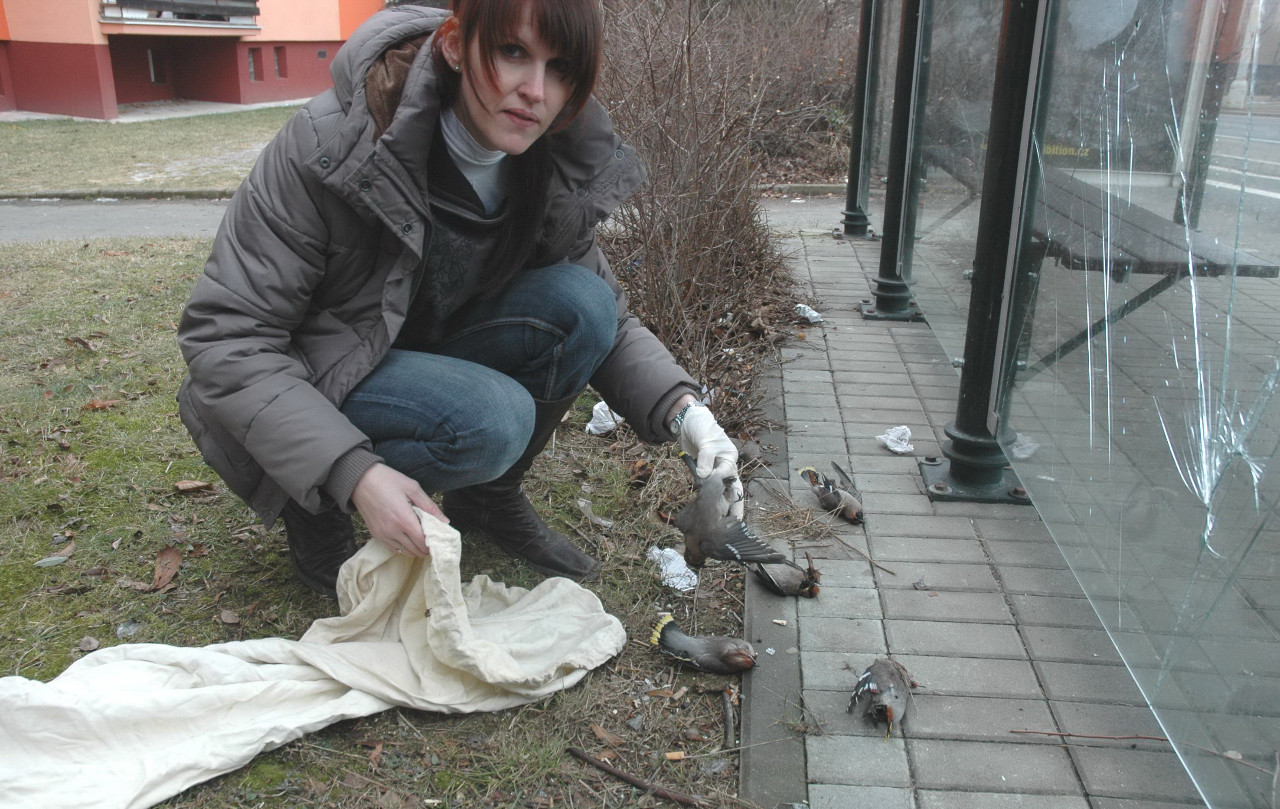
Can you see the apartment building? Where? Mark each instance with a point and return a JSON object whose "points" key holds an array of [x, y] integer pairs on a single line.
{"points": [[87, 57]]}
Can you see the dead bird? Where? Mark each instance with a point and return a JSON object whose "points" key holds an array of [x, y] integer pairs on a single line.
{"points": [[788, 580], [710, 653], [839, 497], [712, 532], [885, 691]]}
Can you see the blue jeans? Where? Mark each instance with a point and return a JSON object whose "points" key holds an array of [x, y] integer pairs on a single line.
{"points": [[463, 412]]}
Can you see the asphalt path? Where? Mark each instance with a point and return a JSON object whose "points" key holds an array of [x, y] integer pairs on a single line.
{"points": [[41, 220]]}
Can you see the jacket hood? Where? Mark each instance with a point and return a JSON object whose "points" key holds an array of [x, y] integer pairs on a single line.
{"points": [[372, 39]]}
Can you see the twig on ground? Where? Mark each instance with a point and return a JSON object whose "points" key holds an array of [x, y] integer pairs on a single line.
{"points": [[730, 731], [661, 792]]}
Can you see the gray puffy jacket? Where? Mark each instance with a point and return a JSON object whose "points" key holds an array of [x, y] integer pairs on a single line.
{"points": [[313, 268]]}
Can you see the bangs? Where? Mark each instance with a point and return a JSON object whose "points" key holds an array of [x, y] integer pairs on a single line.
{"points": [[571, 28]]}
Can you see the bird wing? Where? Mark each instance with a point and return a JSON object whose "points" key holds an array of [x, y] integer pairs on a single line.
{"points": [[844, 476], [743, 546]]}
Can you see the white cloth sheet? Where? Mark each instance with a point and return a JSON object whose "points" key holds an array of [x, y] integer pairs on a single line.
{"points": [[131, 725]]}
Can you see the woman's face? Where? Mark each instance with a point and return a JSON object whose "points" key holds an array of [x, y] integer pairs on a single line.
{"points": [[531, 88]]}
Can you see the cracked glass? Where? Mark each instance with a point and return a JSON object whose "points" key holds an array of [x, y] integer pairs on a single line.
{"points": [[1139, 406]]}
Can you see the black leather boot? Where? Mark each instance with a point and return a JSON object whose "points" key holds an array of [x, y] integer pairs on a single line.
{"points": [[500, 509], [318, 545]]}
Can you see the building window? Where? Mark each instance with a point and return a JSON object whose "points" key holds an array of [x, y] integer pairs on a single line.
{"points": [[155, 63], [322, 54], [282, 63], [255, 64]]}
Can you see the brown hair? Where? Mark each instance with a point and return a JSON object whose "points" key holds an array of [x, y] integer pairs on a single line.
{"points": [[572, 28]]}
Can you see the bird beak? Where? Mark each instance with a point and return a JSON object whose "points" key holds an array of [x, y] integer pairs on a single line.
{"points": [[888, 714]]}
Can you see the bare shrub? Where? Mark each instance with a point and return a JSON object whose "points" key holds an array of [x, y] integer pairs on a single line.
{"points": [[691, 247]]}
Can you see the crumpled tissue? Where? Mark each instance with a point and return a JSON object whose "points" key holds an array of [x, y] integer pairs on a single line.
{"points": [[1023, 447], [675, 573], [603, 420], [897, 439]]}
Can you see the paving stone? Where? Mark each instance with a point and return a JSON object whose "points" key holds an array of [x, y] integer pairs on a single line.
{"points": [[828, 671], [1053, 643], [889, 484], [992, 767], [1142, 774], [829, 710], [1054, 611], [1025, 529], [815, 428], [890, 525], [820, 412], [1092, 719], [1025, 554], [940, 576], [839, 796], [881, 505], [932, 605], [911, 549], [1039, 581], [1081, 682], [885, 463], [978, 718], [970, 676], [842, 635], [858, 761], [841, 602], [940, 799], [943, 638]]}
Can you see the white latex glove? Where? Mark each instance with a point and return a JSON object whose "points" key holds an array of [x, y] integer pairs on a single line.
{"points": [[702, 437]]}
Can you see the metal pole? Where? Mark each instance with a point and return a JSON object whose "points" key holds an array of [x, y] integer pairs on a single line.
{"points": [[976, 468], [893, 298], [862, 116]]}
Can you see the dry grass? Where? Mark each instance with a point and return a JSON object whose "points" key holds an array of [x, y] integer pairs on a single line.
{"points": [[203, 151]]}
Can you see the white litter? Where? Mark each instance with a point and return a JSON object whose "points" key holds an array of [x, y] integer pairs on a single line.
{"points": [[1023, 447], [603, 420], [897, 439], [807, 312], [675, 573]]}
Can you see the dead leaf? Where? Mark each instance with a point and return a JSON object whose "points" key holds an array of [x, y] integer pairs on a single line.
{"points": [[100, 404], [192, 485], [375, 755], [133, 584], [88, 643], [167, 562], [58, 558], [228, 617], [607, 736]]}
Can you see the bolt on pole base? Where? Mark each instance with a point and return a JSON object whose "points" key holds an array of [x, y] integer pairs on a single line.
{"points": [[910, 313], [942, 488]]}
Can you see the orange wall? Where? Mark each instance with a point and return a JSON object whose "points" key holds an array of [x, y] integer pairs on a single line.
{"points": [[67, 21], [4, 25], [312, 20], [353, 12]]}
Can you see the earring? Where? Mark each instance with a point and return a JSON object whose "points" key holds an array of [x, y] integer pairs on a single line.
{"points": [[457, 68]]}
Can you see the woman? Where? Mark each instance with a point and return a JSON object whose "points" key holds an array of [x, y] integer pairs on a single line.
{"points": [[406, 294]]}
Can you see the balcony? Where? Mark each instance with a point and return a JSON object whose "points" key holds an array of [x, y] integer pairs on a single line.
{"points": [[203, 13]]}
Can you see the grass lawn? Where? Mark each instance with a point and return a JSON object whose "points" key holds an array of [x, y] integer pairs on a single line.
{"points": [[203, 151], [91, 457]]}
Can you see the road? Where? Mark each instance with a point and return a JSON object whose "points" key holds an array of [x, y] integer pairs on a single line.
{"points": [[29, 220]]}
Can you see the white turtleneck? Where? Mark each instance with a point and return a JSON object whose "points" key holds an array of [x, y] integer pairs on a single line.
{"points": [[481, 167]]}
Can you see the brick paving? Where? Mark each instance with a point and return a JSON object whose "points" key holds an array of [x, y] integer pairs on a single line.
{"points": [[980, 605]]}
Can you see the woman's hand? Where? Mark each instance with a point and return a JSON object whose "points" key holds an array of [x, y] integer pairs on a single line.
{"points": [[384, 498], [701, 436]]}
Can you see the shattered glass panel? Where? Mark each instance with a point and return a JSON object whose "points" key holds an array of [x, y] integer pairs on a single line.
{"points": [[1146, 391]]}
